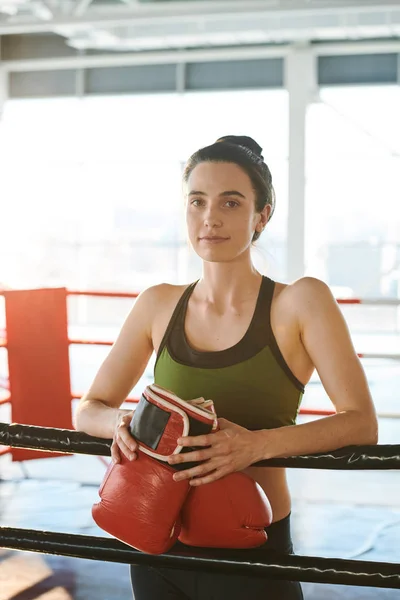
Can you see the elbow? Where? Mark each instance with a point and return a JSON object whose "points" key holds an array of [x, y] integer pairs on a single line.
{"points": [[364, 430], [374, 436], [370, 439], [370, 431], [76, 421], [79, 416]]}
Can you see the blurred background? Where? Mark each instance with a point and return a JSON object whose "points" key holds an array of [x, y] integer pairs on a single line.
{"points": [[103, 101], [101, 104]]}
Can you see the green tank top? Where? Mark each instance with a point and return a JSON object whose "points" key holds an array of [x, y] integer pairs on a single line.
{"points": [[250, 382]]}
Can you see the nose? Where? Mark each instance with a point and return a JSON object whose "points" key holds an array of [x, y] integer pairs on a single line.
{"points": [[212, 218]]}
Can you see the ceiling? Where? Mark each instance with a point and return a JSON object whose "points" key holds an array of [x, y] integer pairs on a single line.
{"points": [[138, 25]]}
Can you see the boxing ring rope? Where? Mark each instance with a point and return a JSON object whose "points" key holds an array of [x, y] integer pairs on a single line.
{"points": [[5, 395], [385, 456], [356, 301], [370, 301], [287, 567], [272, 565], [366, 301]]}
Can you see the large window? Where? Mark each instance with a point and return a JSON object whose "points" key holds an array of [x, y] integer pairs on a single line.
{"points": [[91, 187], [91, 196], [353, 190], [353, 221]]}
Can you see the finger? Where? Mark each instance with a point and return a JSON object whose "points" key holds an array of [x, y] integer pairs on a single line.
{"points": [[195, 456], [126, 420], [202, 469], [197, 440], [217, 474], [131, 455], [115, 457], [127, 439], [124, 423]]}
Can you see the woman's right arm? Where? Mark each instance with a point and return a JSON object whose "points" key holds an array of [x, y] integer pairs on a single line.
{"points": [[98, 412]]}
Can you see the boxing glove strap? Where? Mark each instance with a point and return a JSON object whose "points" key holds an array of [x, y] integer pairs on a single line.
{"points": [[160, 418]]}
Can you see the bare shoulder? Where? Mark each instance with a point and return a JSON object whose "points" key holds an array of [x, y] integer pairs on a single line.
{"points": [[308, 291], [156, 295], [150, 304], [163, 292], [315, 303], [306, 297], [309, 286], [159, 302]]}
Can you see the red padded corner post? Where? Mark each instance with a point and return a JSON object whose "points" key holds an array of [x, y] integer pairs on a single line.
{"points": [[38, 361]]}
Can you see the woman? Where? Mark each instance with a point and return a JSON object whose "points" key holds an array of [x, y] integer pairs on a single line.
{"points": [[248, 343]]}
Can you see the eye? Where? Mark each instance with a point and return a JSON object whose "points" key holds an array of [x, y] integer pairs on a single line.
{"points": [[196, 201], [232, 203]]}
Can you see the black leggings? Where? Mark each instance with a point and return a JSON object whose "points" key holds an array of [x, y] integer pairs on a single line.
{"points": [[149, 583]]}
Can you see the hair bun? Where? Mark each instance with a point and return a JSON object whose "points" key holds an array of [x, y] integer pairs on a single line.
{"points": [[243, 140]]}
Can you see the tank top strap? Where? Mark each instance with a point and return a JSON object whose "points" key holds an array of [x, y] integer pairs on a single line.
{"points": [[261, 324], [180, 310], [255, 339]]}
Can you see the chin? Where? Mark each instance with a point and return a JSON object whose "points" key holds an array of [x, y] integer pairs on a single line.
{"points": [[220, 253], [217, 257]]}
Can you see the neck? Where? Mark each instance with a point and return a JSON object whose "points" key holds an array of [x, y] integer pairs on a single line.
{"points": [[228, 284]]}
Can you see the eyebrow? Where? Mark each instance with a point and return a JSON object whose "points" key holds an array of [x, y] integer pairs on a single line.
{"points": [[223, 194]]}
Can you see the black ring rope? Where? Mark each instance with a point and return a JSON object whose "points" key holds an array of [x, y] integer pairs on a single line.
{"points": [[262, 564], [271, 565], [75, 442]]}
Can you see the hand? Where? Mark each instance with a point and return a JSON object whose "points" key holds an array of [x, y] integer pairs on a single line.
{"points": [[232, 448], [123, 441]]}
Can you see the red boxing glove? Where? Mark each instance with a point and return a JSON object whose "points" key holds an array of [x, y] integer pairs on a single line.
{"points": [[140, 501], [230, 512]]}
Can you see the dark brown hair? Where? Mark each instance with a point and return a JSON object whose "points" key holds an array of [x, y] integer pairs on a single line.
{"points": [[247, 154]]}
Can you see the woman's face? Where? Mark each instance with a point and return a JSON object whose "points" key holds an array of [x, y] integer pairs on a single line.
{"points": [[220, 211]]}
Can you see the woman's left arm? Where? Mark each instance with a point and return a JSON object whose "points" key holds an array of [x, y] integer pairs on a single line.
{"points": [[326, 338]]}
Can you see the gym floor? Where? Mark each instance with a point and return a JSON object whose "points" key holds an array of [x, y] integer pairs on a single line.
{"points": [[335, 514]]}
